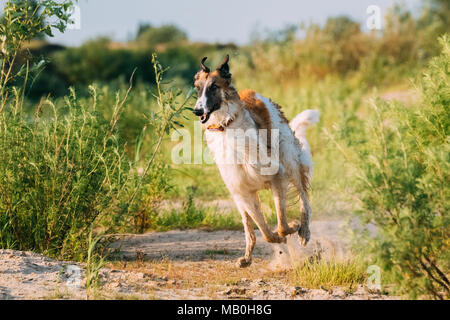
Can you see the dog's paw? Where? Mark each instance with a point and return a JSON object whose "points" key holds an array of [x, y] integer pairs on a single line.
{"points": [[304, 235], [274, 237], [279, 239], [293, 228], [243, 262]]}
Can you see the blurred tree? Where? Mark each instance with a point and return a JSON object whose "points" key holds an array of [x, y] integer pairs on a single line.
{"points": [[401, 40], [345, 43], [150, 36], [341, 27], [282, 36], [436, 17], [442, 10], [95, 61], [142, 27]]}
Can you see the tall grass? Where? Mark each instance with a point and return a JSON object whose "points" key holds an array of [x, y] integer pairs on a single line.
{"points": [[402, 183], [65, 169], [58, 175]]}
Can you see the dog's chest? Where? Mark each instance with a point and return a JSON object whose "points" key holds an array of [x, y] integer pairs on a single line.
{"points": [[233, 162]]}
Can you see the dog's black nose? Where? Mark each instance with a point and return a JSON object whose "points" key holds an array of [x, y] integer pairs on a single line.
{"points": [[198, 112]]}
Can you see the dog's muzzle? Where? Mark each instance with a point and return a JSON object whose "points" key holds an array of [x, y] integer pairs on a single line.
{"points": [[198, 111], [204, 115]]}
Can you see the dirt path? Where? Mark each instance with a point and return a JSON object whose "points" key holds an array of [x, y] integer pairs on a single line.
{"points": [[197, 245], [190, 264]]}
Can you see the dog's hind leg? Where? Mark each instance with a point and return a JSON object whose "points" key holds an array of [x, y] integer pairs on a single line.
{"points": [[304, 233], [250, 204], [250, 241], [279, 190]]}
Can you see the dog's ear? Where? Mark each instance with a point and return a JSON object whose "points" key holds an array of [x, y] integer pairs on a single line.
{"points": [[224, 69], [205, 68]]}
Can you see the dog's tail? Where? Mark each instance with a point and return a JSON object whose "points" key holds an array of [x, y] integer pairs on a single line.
{"points": [[302, 121], [299, 125]]}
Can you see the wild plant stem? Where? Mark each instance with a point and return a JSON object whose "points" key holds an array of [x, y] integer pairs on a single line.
{"points": [[149, 163]]}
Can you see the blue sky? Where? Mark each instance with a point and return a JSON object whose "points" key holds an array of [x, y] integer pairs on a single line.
{"points": [[210, 20]]}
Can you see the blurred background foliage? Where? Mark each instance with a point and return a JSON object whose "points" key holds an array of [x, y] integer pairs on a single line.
{"points": [[338, 48], [335, 67]]}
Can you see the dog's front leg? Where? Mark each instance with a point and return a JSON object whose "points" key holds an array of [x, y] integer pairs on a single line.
{"points": [[250, 204], [250, 241]]}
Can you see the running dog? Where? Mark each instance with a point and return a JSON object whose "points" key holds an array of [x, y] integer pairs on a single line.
{"points": [[229, 117]]}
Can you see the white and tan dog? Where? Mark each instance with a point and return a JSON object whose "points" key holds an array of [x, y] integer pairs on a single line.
{"points": [[233, 123]]}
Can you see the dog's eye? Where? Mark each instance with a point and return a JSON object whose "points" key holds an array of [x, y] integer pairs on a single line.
{"points": [[214, 87]]}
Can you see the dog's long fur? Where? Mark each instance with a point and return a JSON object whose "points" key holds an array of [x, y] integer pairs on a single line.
{"points": [[220, 106]]}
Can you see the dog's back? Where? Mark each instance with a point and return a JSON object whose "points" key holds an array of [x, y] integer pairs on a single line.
{"points": [[268, 115]]}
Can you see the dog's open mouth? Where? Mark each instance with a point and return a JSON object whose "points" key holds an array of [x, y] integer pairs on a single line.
{"points": [[205, 117]]}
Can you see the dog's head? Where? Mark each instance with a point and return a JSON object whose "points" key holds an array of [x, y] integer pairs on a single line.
{"points": [[214, 89]]}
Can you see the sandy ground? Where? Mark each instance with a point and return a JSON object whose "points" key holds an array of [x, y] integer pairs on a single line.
{"points": [[198, 245], [191, 264]]}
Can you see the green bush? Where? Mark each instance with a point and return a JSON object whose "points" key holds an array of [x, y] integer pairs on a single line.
{"points": [[64, 170], [58, 175], [403, 175]]}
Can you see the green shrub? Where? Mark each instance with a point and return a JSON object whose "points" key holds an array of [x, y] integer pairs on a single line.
{"points": [[64, 170], [57, 175], [403, 171]]}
